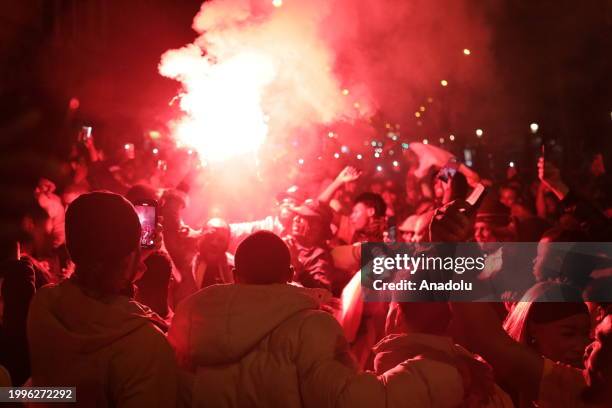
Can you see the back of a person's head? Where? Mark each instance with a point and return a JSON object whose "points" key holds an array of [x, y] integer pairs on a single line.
{"points": [[262, 258], [140, 192], [545, 302], [102, 229], [599, 291], [373, 200], [426, 317]]}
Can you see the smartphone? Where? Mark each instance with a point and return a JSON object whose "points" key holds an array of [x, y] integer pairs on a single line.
{"points": [[447, 173], [147, 214], [475, 199], [85, 133]]}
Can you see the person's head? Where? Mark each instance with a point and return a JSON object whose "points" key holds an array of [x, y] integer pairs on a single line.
{"points": [[262, 258], [450, 185], [367, 207], [71, 193], [550, 259], [311, 223], [36, 225], [140, 192], [552, 319], [285, 201], [508, 195], [102, 237], [598, 365], [492, 221], [214, 240], [407, 228], [418, 317], [421, 227], [389, 196], [154, 283], [598, 297]]}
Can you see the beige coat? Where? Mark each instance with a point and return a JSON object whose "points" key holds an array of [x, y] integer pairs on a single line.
{"points": [[270, 346], [111, 352]]}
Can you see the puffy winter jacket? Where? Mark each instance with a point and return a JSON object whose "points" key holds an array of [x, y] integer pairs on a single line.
{"points": [[481, 390], [270, 346], [110, 351]]}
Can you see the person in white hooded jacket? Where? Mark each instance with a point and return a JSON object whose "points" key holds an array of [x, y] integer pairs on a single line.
{"points": [[87, 332], [422, 328], [264, 343]]}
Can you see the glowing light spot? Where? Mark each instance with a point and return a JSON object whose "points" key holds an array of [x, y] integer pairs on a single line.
{"points": [[155, 150], [373, 143], [425, 141], [215, 95], [359, 157], [430, 100], [330, 134], [395, 163], [405, 145], [422, 109], [444, 82], [356, 105], [511, 164], [127, 146], [479, 132], [345, 92], [452, 138], [388, 125], [344, 149], [379, 168], [154, 134], [189, 152], [301, 161], [466, 51], [376, 154], [277, 3], [441, 140], [417, 114], [337, 155], [534, 127], [74, 103]]}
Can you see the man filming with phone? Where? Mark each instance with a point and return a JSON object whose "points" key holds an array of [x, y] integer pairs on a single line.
{"points": [[87, 331]]}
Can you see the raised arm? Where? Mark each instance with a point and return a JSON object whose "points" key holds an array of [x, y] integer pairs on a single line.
{"points": [[347, 175]]}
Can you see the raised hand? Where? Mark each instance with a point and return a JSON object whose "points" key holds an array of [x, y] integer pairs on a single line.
{"points": [[550, 176], [348, 174]]}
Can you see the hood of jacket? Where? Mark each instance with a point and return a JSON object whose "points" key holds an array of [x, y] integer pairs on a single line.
{"points": [[479, 384], [65, 317], [222, 323]]}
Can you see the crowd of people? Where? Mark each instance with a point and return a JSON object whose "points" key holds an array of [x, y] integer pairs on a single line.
{"points": [[269, 312]]}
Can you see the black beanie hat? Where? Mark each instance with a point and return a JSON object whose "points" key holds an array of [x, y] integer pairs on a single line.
{"points": [[101, 227]]}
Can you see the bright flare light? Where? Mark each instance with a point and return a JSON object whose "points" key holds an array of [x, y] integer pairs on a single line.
{"points": [[479, 132], [277, 3], [213, 102], [534, 127]]}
